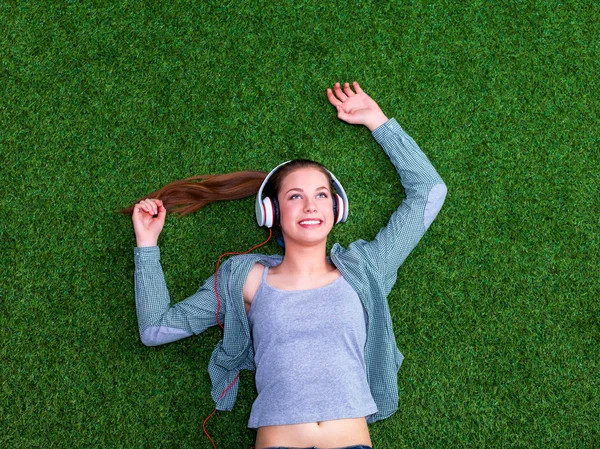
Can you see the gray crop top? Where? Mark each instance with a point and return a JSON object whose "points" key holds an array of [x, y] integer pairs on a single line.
{"points": [[309, 354]]}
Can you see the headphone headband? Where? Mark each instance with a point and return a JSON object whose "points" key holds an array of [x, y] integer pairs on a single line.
{"points": [[264, 209]]}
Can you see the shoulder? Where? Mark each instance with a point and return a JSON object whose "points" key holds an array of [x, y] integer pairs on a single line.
{"points": [[356, 263], [246, 270], [241, 264], [253, 282]]}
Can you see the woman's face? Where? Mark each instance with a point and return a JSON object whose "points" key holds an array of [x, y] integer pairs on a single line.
{"points": [[305, 206]]}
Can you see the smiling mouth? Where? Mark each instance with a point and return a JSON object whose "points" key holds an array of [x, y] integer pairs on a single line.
{"points": [[310, 222]]}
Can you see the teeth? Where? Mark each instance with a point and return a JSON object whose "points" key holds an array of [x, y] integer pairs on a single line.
{"points": [[310, 222]]}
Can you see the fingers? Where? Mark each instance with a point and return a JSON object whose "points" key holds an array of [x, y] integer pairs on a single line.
{"points": [[334, 101], [347, 90], [150, 206], [162, 210], [338, 92], [337, 96]]}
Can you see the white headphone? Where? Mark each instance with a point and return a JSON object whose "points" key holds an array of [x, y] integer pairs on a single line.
{"points": [[267, 209]]}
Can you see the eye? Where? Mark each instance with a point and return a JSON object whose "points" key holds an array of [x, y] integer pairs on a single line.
{"points": [[295, 196], [322, 195]]}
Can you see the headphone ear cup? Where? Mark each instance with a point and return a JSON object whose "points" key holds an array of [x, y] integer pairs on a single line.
{"points": [[271, 212], [267, 213], [338, 208]]}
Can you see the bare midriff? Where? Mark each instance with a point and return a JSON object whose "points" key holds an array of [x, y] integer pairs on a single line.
{"points": [[324, 434]]}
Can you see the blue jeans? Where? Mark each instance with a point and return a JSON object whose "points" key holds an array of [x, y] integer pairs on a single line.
{"points": [[358, 446]]}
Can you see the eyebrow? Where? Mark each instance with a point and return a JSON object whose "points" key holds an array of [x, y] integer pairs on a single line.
{"points": [[301, 190]]}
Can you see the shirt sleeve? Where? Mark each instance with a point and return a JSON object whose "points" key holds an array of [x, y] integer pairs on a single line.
{"points": [[425, 194], [158, 321]]}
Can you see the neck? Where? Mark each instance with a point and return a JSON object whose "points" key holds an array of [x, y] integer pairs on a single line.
{"points": [[305, 260]]}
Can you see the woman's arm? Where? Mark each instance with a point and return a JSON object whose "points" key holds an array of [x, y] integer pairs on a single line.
{"points": [[425, 195], [158, 322], [425, 190]]}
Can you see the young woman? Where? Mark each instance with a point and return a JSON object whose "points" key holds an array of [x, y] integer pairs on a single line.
{"points": [[315, 327]]}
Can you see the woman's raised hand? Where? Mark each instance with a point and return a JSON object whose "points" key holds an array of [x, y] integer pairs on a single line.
{"points": [[355, 106], [148, 220]]}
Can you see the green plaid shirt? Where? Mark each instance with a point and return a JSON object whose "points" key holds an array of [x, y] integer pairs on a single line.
{"points": [[370, 268]]}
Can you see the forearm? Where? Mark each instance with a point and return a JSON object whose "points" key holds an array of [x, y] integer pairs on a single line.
{"points": [[151, 293], [425, 194], [417, 174], [158, 321], [152, 299]]}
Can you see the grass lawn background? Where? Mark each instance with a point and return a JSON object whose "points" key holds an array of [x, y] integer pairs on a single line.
{"points": [[497, 308]]}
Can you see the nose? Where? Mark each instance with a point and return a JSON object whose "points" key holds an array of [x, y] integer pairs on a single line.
{"points": [[310, 205]]}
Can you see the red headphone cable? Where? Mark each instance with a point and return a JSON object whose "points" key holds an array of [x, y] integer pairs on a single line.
{"points": [[217, 273], [204, 428], [221, 325]]}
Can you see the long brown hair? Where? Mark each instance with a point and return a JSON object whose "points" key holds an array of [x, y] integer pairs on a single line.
{"points": [[188, 195]]}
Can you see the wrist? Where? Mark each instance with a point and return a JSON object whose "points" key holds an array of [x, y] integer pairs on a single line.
{"points": [[146, 243], [376, 122]]}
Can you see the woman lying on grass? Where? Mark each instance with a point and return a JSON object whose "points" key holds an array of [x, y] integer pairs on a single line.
{"points": [[315, 327]]}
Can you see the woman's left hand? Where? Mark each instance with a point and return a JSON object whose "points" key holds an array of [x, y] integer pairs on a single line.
{"points": [[355, 106]]}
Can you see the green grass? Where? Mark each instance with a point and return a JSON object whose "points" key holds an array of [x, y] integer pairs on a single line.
{"points": [[497, 308]]}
